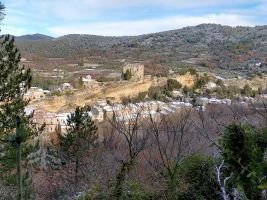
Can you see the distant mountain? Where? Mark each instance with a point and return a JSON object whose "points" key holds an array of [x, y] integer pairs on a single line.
{"points": [[33, 37], [207, 45]]}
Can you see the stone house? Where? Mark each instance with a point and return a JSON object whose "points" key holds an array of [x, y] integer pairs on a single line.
{"points": [[137, 71], [41, 117], [97, 114], [88, 82], [34, 93]]}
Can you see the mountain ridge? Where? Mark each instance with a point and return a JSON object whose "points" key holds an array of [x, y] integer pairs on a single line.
{"points": [[33, 37], [209, 45]]}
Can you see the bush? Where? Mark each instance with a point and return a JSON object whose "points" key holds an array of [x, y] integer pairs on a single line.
{"points": [[247, 90], [197, 175], [186, 90], [155, 93], [220, 83], [192, 71], [173, 84], [131, 191], [201, 82], [56, 93], [128, 75], [243, 150], [141, 96]]}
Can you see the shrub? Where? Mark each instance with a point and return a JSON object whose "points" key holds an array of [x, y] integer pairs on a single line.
{"points": [[247, 90], [131, 190], [128, 75], [192, 71], [155, 93], [197, 175], [202, 81], [243, 150], [173, 84]]}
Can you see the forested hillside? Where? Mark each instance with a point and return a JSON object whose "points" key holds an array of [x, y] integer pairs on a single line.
{"points": [[207, 45]]}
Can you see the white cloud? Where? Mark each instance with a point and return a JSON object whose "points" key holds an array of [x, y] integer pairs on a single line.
{"points": [[150, 26], [83, 9], [59, 17], [13, 30]]}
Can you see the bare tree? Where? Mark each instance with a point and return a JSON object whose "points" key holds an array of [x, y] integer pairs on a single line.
{"points": [[222, 181], [132, 137], [172, 140]]}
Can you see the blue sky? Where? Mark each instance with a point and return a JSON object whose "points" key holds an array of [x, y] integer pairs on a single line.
{"points": [[125, 17]]}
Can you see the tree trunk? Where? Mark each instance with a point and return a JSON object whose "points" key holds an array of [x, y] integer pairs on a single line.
{"points": [[19, 178], [76, 174], [172, 185], [124, 170]]}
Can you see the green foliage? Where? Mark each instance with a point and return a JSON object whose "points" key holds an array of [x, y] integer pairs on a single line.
{"points": [[173, 84], [196, 179], [192, 71], [81, 136], [14, 82], [8, 158], [201, 82], [140, 97], [186, 90], [131, 190], [135, 191], [247, 90], [57, 93], [81, 63], [159, 93], [67, 92], [81, 133], [220, 83], [128, 74], [226, 92], [243, 150], [155, 93], [14, 124], [8, 164], [80, 82], [167, 92], [182, 72]]}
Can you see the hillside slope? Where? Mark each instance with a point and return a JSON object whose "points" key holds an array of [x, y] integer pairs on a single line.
{"points": [[207, 45], [33, 37]]}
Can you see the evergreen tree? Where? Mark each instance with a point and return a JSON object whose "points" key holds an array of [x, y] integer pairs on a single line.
{"points": [[243, 150], [128, 75], [14, 82], [80, 137], [81, 82], [173, 84]]}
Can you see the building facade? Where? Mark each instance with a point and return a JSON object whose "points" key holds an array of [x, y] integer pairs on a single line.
{"points": [[137, 71]]}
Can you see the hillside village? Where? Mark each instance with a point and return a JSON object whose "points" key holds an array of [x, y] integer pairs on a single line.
{"points": [[106, 109], [133, 100], [135, 107]]}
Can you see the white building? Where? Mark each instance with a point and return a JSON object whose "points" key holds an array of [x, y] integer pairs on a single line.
{"points": [[66, 86], [34, 93], [97, 113], [88, 82]]}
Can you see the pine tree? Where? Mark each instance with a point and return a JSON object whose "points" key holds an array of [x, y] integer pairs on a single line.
{"points": [[80, 137], [14, 82], [81, 85], [128, 75]]}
